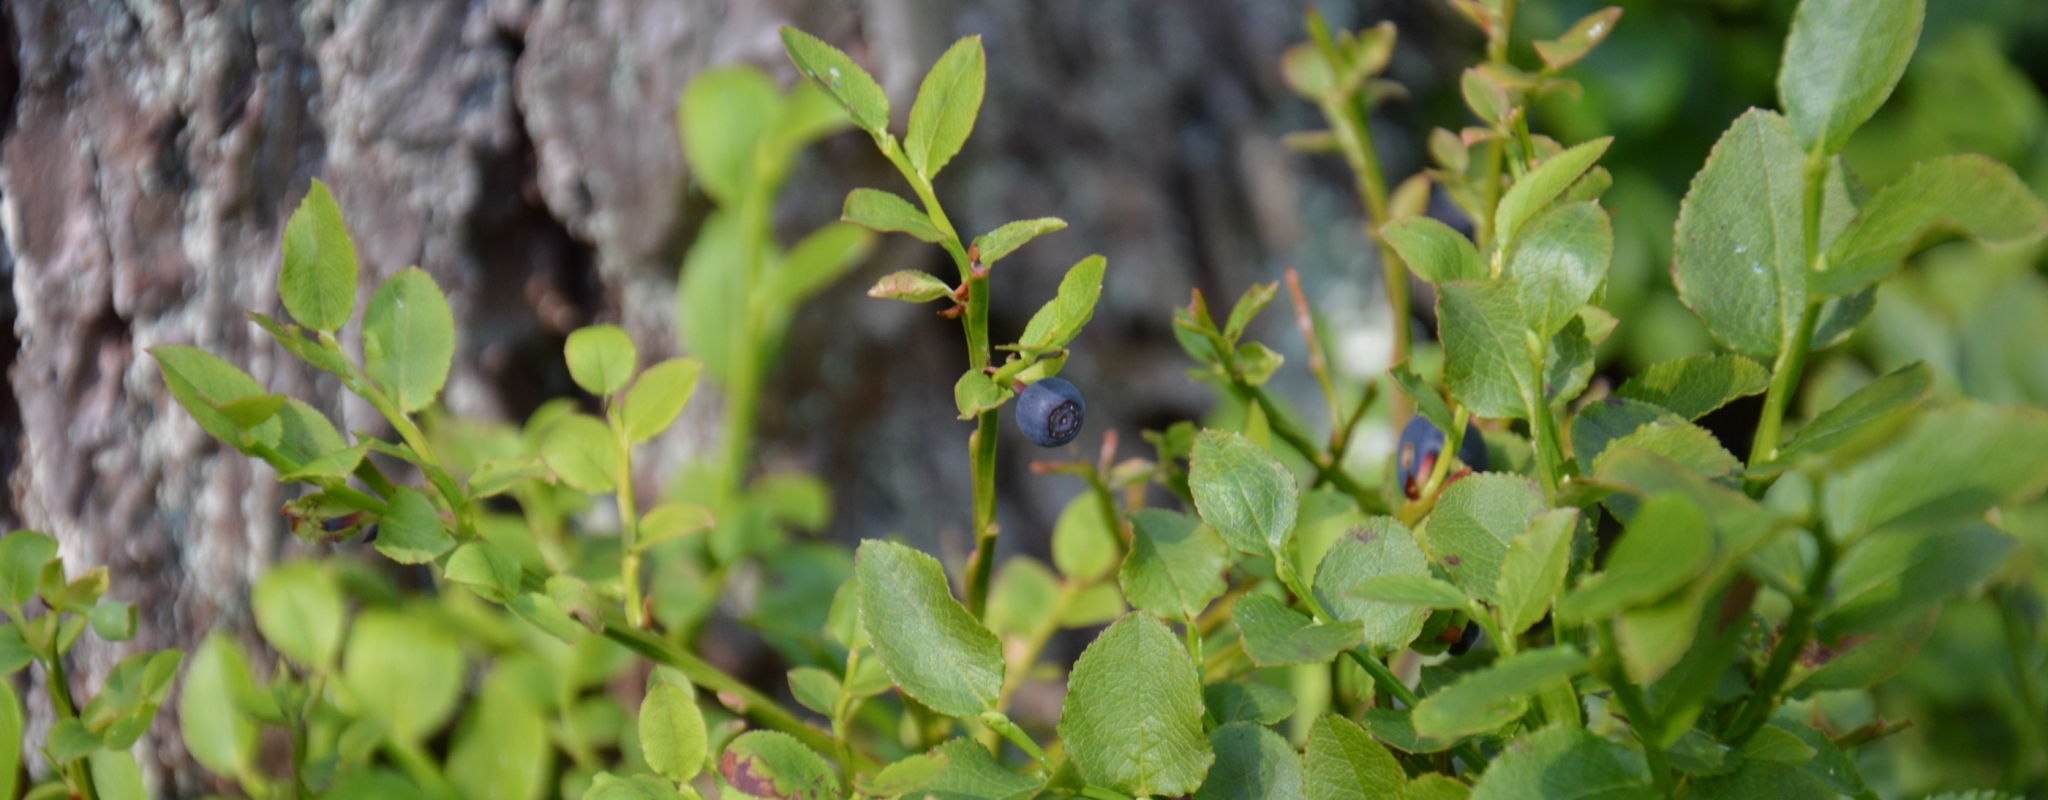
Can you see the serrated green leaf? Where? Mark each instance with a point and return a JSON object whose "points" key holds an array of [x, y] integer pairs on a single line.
{"points": [[724, 112], [1275, 635], [931, 646], [1682, 443], [1175, 566], [1434, 786], [1243, 492], [672, 736], [1061, 318], [657, 397], [1598, 425], [403, 671], [1666, 545], [318, 281], [842, 79], [1879, 401], [300, 613], [412, 531], [202, 383], [1558, 263], [1487, 365], [1132, 718], [878, 210], [1377, 548], [1342, 762], [1421, 591], [947, 103], [601, 358], [972, 774], [409, 339], [1239, 701], [1740, 255], [1489, 698], [583, 452], [910, 286], [818, 260], [1397, 730], [1692, 386], [1842, 59], [996, 244], [1435, 251], [1252, 763], [1565, 762], [1527, 198], [1474, 521], [1762, 778], [486, 569], [1950, 466], [1532, 573], [906, 776], [769, 765], [305, 433], [1964, 194]]}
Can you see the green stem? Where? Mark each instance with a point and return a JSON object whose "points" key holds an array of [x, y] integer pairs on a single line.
{"points": [[1017, 736], [1798, 628], [78, 771], [1639, 715], [981, 446], [1791, 361], [1354, 139], [1327, 471], [1497, 45], [752, 703], [420, 768], [842, 712], [629, 529]]}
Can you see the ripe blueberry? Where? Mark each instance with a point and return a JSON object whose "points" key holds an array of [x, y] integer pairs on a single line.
{"points": [[1420, 445], [1049, 412]]}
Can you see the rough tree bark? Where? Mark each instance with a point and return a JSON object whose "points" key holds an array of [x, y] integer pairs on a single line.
{"points": [[523, 152]]}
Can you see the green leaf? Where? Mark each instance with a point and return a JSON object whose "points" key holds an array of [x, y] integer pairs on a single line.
{"points": [[1061, 318], [203, 383], [1598, 425], [1083, 546], [1668, 543], [14, 650], [1879, 401], [306, 433], [1175, 566], [1235, 701], [1489, 698], [1254, 300], [538, 610], [1965, 194], [335, 464], [1396, 729], [1692, 386], [1559, 262], [583, 452], [657, 397], [1487, 365], [672, 520], [404, 671], [1428, 402], [1887, 579], [11, 731], [1252, 763], [1873, 661], [1842, 59], [1740, 255], [300, 613], [905, 776], [1524, 200], [910, 286], [486, 569], [1243, 492], [128, 700], [769, 765], [1566, 762], [1949, 467], [115, 775], [22, 556], [1421, 591], [502, 747], [1682, 443], [878, 210], [1132, 718], [1474, 521], [70, 740], [976, 392], [1533, 571], [818, 260], [713, 299], [723, 114], [996, 244], [1344, 763], [814, 689], [601, 358], [972, 774], [1100, 604], [1436, 251], [412, 532], [1022, 596], [946, 105], [1434, 786], [249, 412], [842, 79], [318, 281], [216, 730], [672, 736], [931, 646], [1275, 635], [409, 339], [1762, 778], [1578, 40], [298, 342]]}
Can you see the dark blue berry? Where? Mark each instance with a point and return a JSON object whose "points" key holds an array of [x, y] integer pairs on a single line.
{"points": [[1049, 412], [1420, 445]]}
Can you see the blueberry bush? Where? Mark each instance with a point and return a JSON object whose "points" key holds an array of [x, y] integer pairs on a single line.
{"points": [[1560, 587]]}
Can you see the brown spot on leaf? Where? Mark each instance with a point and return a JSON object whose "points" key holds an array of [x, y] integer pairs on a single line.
{"points": [[1735, 604], [739, 773], [1453, 561]]}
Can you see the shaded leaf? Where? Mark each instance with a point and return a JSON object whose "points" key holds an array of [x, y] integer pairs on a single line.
{"points": [[1692, 386], [1487, 362], [931, 646], [1559, 262], [1344, 763], [1175, 566], [1565, 762], [1275, 635], [412, 532], [1474, 521], [1377, 548], [770, 765], [1252, 763], [1489, 698]]}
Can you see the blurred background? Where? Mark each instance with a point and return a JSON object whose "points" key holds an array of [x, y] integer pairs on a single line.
{"points": [[524, 152]]}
